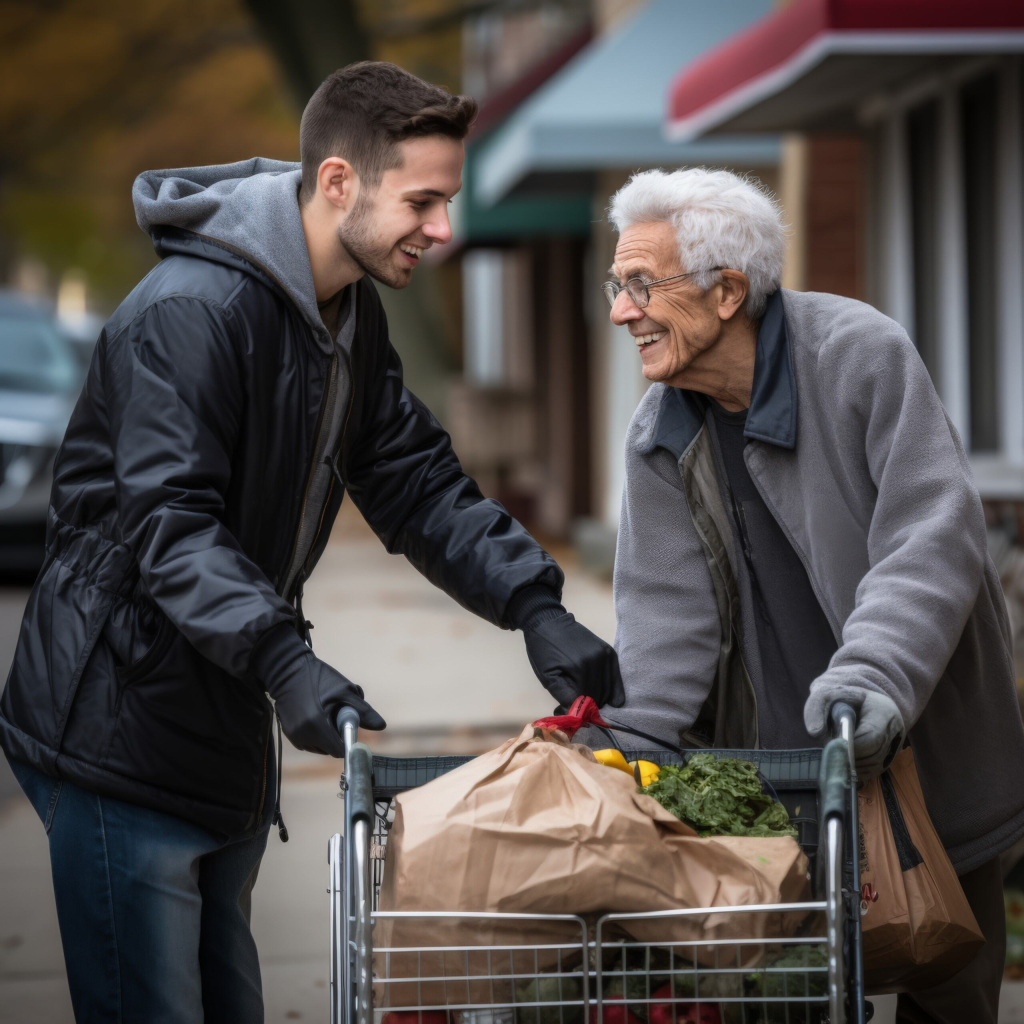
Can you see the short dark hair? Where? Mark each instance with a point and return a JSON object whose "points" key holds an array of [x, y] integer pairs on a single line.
{"points": [[361, 112]]}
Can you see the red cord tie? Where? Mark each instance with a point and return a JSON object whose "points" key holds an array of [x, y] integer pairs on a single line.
{"points": [[584, 711]]}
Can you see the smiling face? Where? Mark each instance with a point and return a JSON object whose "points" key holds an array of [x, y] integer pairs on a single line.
{"points": [[680, 322], [389, 229]]}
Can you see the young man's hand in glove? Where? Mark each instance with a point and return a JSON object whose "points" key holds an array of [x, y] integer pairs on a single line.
{"points": [[569, 660], [307, 692]]}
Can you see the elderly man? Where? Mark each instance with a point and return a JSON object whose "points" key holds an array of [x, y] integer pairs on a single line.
{"points": [[799, 526]]}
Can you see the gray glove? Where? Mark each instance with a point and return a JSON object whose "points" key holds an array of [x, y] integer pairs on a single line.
{"points": [[879, 734]]}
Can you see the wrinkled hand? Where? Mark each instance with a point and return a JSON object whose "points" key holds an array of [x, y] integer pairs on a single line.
{"points": [[571, 661], [879, 734], [308, 693]]}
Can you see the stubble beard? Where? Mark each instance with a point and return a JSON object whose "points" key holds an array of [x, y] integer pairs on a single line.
{"points": [[373, 257]]}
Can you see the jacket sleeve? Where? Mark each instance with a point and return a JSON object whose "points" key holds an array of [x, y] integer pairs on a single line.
{"points": [[926, 540], [668, 635], [174, 394], [404, 477]]}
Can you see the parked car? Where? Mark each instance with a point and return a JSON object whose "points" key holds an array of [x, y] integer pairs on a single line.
{"points": [[82, 330], [40, 378]]}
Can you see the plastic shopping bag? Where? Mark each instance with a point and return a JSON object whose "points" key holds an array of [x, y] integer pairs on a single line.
{"points": [[919, 928]]}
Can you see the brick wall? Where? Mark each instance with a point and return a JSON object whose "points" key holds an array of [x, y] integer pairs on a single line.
{"points": [[835, 215]]}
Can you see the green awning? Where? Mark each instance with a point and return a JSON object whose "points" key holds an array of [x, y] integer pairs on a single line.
{"points": [[566, 210]]}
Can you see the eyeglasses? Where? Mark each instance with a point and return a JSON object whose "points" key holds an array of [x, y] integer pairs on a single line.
{"points": [[638, 288]]}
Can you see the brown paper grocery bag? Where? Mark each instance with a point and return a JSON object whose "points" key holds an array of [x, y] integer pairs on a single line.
{"points": [[920, 930], [538, 826]]}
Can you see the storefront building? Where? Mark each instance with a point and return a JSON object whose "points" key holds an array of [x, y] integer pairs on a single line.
{"points": [[927, 100], [549, 385], [909, 122]]}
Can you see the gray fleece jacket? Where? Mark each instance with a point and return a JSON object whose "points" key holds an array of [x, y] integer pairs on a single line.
{"points": [[855, 457]]}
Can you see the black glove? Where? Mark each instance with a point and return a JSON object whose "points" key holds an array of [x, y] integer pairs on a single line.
{"points": [[569, 660], [307, 692]]}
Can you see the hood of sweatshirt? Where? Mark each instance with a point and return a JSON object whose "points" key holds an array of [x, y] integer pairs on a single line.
{"points": [[250, 208]]}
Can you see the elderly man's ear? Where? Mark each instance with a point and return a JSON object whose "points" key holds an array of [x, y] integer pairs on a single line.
{"points": [[732, 290]]}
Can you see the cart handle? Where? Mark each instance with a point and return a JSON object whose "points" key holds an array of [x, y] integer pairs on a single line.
{"points": [[844, 723], [347, 722], [834, 784], [354, 996], [358, 768], [843, 714]]}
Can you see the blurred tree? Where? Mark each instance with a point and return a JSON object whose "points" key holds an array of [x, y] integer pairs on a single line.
{"points": [[311, 38], [92, 93]]}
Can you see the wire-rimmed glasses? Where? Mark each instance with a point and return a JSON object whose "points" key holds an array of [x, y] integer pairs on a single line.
{"points": [[638, 288]]}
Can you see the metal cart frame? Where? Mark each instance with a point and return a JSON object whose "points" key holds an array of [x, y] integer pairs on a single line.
{"points": [[355, 872]]}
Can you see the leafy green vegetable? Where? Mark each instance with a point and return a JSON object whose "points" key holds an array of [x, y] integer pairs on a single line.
{"points": [[799, 982], [720, 796], [550, 990], [632, 987]]}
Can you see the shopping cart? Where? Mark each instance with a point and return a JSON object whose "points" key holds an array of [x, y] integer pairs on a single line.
{"points": [[584, 971]]}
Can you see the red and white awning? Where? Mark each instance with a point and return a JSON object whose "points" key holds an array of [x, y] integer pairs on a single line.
{"points": [[813, 63]]}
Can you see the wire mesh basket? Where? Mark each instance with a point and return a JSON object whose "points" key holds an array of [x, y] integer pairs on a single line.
{"points": [[775, 963]]}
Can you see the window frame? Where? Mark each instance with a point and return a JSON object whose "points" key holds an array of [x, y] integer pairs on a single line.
{"points": [[999, 474]]}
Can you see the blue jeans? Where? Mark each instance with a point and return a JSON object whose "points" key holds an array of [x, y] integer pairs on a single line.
{"points": [[153, 910]]}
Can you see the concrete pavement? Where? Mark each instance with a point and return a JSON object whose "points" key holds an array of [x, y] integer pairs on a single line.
{"points": [[444, 680]]}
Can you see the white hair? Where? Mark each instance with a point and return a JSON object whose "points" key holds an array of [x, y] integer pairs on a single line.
{"points": [[721, 220]]}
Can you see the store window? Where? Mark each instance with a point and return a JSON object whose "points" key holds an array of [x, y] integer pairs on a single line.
{"points": [[497, 318], [946, 249]]}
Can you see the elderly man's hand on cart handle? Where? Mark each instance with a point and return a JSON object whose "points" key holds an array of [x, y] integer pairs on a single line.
{"points": [[568, 659], [879, 734], [878, 729], [307, 692]]}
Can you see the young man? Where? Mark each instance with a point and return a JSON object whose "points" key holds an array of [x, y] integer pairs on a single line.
{"points": [[241, 389]]}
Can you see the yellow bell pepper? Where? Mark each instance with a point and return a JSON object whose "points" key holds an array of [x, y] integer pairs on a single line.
{"points": [[613, 759], [649, 771]]}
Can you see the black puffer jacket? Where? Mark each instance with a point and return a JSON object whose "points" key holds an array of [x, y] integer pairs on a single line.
{"points": [[182, 526]]}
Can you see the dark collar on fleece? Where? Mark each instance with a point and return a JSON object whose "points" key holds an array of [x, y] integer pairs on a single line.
{"points": [[772, 413]]}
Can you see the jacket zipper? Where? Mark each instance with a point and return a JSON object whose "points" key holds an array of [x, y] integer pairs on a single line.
{"points": [[299, 576], [303, 574], [736, 615], [292, 579], [290, 584], [263, 791]]}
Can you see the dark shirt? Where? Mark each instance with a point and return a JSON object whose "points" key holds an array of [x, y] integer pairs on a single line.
{"points": [[331, 310], [794, 638]]}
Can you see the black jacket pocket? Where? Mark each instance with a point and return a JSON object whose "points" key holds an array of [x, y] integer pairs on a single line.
{"points": [[153, 655]]}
